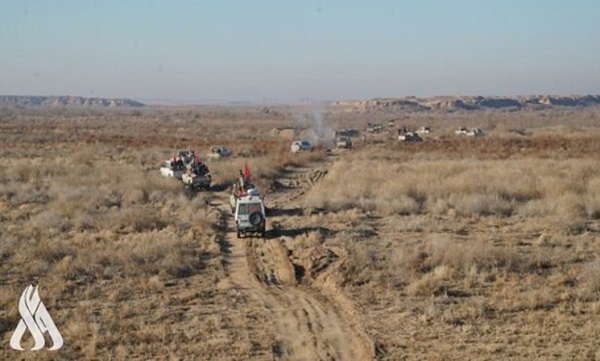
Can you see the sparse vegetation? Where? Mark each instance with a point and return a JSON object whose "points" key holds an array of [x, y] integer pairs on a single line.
{"points": [[469, 239], [531, 187], [480, 248]]}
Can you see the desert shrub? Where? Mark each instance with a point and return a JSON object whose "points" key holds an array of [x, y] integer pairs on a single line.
{"points": [[444, 263], [538, 208], [432, 283], [162, 253], [52, 250], [590, 277], [134, 219], [481, 204], [470, 187], [592, 198], [50, 222], [354, 271], [17, 194], [480, 253]]}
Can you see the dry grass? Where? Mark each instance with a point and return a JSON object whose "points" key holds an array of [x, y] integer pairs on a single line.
{"points": [[126, 261], [460, 244], [478, 249], [529, 187]]}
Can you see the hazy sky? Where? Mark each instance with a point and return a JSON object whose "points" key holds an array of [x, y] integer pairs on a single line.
{"points": [[255, 50]]}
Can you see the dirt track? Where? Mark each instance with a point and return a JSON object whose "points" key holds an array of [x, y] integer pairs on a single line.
{"points": [[311, 323]]}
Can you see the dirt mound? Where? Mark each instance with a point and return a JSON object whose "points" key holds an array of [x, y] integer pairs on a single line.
{"points": [[315, 261]]}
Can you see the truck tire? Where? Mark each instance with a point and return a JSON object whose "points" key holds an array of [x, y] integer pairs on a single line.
{"points": [[239, 235]]}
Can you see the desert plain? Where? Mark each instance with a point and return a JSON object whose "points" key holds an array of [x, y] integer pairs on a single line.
{"points": [[451, 248]]}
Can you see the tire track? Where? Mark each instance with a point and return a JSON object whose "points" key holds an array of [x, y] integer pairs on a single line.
{"points": [[309, 326]]}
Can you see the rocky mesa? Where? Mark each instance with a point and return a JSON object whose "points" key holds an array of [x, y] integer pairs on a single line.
{"points": [[67, 101], [468, 103]]}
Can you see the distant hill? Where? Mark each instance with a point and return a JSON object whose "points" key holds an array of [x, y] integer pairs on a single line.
{"points": [[468, 103], [67, 101]]}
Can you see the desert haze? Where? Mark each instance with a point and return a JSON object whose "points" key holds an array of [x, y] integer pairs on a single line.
{"points": [[453, 247]]}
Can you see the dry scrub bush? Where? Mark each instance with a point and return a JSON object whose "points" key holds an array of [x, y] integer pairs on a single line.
{"points": [[307, 240], [436, 265], [432, 283], [590, 278], [88, 216], [592, 198], [463, 256], [87, 195], [469, 187], [353, 270]]}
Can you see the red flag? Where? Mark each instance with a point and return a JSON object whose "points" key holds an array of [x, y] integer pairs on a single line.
{"points": [[246, 171]]}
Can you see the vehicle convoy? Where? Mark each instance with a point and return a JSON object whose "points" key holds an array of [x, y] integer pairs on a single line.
{"points": [[248, 207]]}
